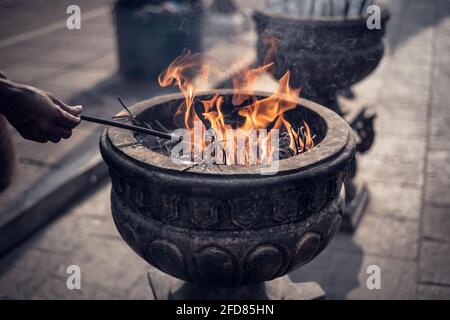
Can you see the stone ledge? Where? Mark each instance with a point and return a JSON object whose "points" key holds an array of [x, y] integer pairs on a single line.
{"points": [[56, 190]]}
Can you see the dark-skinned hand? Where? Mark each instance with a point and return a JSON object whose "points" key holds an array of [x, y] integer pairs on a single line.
{"points": [[37, 115]]}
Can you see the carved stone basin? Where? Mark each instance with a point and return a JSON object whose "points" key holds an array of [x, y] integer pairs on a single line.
{"points": [[324, 54], [228, 226]]}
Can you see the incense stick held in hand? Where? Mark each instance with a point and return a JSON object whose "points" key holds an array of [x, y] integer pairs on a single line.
{"points": [[128, 127]]}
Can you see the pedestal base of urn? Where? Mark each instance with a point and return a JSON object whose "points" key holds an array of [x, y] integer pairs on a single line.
{"points": [[355, 208], [166, 287]]}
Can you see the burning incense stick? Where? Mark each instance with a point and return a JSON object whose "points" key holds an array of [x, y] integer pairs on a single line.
{"points": [[127, 126]]}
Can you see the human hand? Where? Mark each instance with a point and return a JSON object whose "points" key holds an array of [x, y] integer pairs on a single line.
{"points": [[37, 115]]}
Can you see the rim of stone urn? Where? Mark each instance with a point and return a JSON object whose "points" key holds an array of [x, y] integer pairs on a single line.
{"points": [[121, 151], [325, 21]]}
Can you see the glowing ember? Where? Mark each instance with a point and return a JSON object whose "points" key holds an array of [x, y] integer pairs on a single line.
{"points": [[188, 70]]}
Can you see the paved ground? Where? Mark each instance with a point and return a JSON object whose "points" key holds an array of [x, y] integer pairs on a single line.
{"points": [[407, 227], [406, 230]]}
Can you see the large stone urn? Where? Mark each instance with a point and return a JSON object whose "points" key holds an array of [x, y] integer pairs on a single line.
{"points": [[326, 55], [152, 33], [227, 231]]}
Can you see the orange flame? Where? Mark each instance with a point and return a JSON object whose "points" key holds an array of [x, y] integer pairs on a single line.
{"points": [[184, 70], [266, 113]]}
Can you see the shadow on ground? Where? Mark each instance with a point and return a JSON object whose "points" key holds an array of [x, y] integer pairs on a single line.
{"points": [[334, 269], [408, 18]]}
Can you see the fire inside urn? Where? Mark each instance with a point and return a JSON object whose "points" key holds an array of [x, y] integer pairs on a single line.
{"points": [[238, 128]]}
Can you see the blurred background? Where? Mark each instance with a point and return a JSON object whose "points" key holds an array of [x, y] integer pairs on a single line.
{"points": [[56, 210]]}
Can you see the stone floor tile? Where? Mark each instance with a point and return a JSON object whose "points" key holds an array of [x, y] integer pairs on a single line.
{"points": [[101, 227], [401, 111], [442, 42], [398, 280], [416, 74], [78, 80], [344, 275], [438, 164], [400, 90], [439, 124], [107, 262], [55, 288], [394, 199], [406, 149], [432, 292], [437, 191], [140, 290], [18, 53], [442, 60], [367, 92], [378, 169], [439, 143], [25, 72], [336, 271], [434, 264], [86, 43], [442, 67], [108, 62], [64, 57], [26, 175], [436, 223], [439, 89], [24, 270], [388, 237], [413, 55], [97, 204], [401, 128], [63, 235]]}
